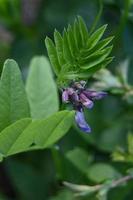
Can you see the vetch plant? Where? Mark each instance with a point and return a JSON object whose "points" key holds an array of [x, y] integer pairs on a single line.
{"points": [[26, 120], [75, 56], [59, 103], [29, 117]]}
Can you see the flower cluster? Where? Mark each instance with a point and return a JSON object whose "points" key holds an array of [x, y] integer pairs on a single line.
{"points": [[80, 97]]}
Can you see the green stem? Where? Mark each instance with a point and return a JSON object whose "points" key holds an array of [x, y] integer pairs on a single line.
{"points": [[83, 190], [121, 181]]}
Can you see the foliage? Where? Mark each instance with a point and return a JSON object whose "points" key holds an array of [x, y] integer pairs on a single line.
{"points": [[41, 89], [78, 54], [72, 166], [19, 131]]}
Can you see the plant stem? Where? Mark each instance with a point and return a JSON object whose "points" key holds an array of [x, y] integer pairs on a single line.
{"points": [[121, 181], [83, 190]]}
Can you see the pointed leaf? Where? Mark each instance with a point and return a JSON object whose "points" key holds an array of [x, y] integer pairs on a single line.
{"points": [[77, 35], [83, 30], [103, 43], [71, 41], [59, 47], [52, 55], [96, 36], [41, 89], [13, 100], [10, 138], [53, 128], [66, 50], [100, 172], [99, 46], [92, 70], [85, 74], [95, 60], [19, 136], [73, 156]]}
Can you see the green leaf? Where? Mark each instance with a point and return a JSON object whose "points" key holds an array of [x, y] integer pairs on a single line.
{"points": [[96, 36], [86, 74], [66, 49], [120, 155], [112, 136], [52, 55], [80, 51], [71, 41], [101, 172], [103, 43], [95, 56], [59, 46], [19, 136], [95, 68], [83, 30], [13, 138], [13, 100], [77, 35], [28, 181], [41, 89], [50, 130], [85, 159], [97, 59]]}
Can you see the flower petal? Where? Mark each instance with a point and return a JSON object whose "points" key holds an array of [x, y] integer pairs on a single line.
{"points": [[95, 95], [86, 101], [65, 96], [75, 97], [70, 91], [82, 124], [88, 104]]}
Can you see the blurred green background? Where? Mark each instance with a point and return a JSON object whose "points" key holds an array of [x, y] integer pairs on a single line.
{"points": [[78, 158]]}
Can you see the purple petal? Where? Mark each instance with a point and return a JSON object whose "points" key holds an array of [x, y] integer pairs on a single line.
{"points": [[88, 104], [86, 101], [82, 124], [65, 96], [75, 97], [70, 91], [95, 95]]}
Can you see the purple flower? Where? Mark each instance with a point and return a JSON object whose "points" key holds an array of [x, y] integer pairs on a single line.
{"points": [[93, 95], [70, 94], [65, 96], [86, 101], [74, 97], [80, 97], [80, 120]]}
